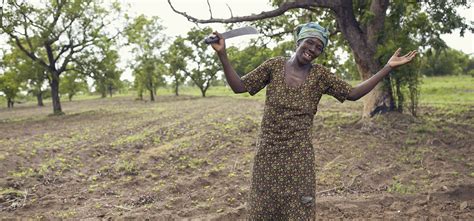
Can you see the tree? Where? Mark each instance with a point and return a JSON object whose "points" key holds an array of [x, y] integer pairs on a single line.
{"points": [[125, 86], [72, 83], [247, 59], [107, 75], [146, 35], [10, 84], [31, 73], [36, 82], [173, 58], [206, 63], [148, 76], [362, 24], [54, 34], [100, 64], [445, 61]]}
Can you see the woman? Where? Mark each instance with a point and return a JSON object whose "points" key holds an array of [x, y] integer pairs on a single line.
{"points": [[283, 179]]}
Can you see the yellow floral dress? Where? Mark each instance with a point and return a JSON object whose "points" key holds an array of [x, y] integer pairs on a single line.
{"points": [[283, 178]]}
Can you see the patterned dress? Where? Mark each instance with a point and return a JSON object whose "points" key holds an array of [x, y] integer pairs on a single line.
{"points": [[283, 179]]}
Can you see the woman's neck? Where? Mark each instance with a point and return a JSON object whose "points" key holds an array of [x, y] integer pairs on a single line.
{"points": [[297, 65]]}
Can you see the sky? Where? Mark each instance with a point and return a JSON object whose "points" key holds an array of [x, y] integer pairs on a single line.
{"points": [[178, 25]]}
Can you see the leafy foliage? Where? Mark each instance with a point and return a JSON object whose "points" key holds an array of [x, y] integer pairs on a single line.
{"points": [[176, 65], [149, 74], [30, 75], [10, 84], [146, 36], [204, 58], [247, 59], [72, 83], [446, 62], [53, 33]]}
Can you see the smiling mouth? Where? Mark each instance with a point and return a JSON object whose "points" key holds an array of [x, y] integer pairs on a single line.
{"points": [[308, 54]]}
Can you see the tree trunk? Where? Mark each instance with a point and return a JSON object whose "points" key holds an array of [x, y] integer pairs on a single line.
{"points": [[57, 110], [380, 99], [39, 98], [363, 40], [203, 90], [152, 96], [9, 103], [176, 88], [69, 97], [110, 91]]}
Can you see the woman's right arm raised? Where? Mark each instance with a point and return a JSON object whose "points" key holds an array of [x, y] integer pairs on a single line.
{"points": [[232, 77]]}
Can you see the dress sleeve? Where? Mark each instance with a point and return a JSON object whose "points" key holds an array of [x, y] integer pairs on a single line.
{"points": [[258, 78], [335, 86]]}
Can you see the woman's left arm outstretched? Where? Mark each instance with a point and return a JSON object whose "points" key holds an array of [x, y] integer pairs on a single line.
{"points": [[365, 87]]}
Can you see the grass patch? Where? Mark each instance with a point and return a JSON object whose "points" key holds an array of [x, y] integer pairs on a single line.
{"points": [[399, 187], [64, 214], [127, 167], [447, 90], [12, 193], [23, 173], [427, 127]]}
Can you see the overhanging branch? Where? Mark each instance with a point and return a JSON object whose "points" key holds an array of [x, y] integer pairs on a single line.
{"points": [[307, 4], [209, 6], [230, 10]]}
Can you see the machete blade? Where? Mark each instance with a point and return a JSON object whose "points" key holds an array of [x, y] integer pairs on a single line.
{"points": [[232, 33]]}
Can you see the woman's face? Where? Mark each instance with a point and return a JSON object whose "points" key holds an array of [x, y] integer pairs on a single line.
{"points": [[308, 49]]}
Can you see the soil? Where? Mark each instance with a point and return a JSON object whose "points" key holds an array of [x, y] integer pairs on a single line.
{"points": [[188, 157]]}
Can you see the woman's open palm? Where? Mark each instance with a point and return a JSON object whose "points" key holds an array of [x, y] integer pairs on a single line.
{"points": [[397, 60]]}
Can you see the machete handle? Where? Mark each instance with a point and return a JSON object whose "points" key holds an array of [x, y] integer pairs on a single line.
{"points": [[211, 40]]}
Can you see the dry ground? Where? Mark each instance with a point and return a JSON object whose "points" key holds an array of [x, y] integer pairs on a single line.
{"points": [[189, 157]]}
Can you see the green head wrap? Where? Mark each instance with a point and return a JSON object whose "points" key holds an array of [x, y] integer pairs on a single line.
{"points": [[312, 29]]}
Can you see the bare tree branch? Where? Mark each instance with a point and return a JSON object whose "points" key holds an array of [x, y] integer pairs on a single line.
{"points": [[209, 6], [230, 10], [307, 4]]}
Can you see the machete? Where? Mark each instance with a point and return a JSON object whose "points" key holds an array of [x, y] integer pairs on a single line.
{"points": [[232, 33]]}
